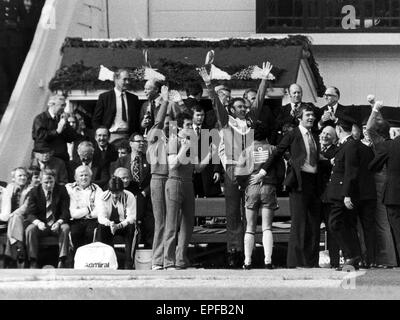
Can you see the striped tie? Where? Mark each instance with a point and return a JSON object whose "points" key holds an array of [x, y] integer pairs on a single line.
{"points": [[49, 211]]}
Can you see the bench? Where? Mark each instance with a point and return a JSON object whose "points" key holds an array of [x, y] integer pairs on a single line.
{"points": [[215, 207]]}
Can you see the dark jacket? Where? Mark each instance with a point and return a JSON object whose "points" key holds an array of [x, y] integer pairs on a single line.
{"points": [[106, 109], [44, 133], [102, 161], [325, 168], [293, 141], [37, 204], [345, 172], [388, 153], [366, 181]]}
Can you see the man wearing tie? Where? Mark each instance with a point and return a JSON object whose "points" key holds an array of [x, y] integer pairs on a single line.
{"points": [[48, 214], [303, 183], [104, 154], [332, 110], [287, 115], [139, 168], [117, 109]]}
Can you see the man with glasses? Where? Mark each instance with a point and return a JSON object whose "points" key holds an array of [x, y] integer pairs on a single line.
{"points": [[51, 127], [137, 163], [332, 110]]}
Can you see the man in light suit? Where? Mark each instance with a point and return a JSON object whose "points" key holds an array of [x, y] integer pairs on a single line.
{"points": [[303, 182], [117, 109]]}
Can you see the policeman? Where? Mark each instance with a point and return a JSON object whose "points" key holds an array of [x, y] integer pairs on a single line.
{"points": [[11, 46]]}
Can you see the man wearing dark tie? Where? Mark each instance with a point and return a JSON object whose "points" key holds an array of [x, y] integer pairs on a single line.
{"points": [[332, 110], [48, 214], [117, 109], [343, 193], [303, 183], [139, 169], [287, 115]]}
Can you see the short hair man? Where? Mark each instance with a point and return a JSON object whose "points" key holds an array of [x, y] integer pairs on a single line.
{"points": [[302, 182], [51, 128], [83, 196], [118, 109], [48, 214]]}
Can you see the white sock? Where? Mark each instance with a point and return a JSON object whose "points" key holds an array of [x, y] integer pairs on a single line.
{"points": [[248, 247], [268, 241]]}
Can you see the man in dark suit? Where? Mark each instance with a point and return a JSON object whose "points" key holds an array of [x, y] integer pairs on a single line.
{"points": [[328, 141], [287, 115], [104, 153], [388, 154], [332, 110], [117, 109], [303, 183], [48, 214], [51, 127], [139, 169], [206, 183], [100, 174], [343, 194]]}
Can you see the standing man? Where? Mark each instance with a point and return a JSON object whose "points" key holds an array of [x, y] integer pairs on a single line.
{"points": [[51, 127], [332, 110], [287, 115], [328, 150], [303, 183], [117, 109], [343, 194], [236, 135], [104, 153]]}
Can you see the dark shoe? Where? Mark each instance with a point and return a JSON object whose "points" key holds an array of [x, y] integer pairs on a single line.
{"points": [[232, 259], [61, 264], [33, 264], [268, 266], [180, 267], [247, 267]]}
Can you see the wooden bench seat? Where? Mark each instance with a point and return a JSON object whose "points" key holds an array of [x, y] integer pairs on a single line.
{"points": [[215, 207]]}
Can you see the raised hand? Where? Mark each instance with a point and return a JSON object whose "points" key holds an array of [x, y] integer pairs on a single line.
{"points": [[378, 105], [266, 69], [210, 57], [175, 96], [204, 75], [164, 93], [371, 99]]}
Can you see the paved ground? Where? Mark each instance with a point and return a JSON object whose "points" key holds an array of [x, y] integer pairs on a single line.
{"points": [[197, 284]]}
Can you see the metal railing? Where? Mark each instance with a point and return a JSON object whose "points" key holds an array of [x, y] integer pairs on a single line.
{"points": [[290, 16]]}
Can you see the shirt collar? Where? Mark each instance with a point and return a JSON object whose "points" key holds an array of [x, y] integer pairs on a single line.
{"points": [[303, 130], [52, 115], [117, 92]]}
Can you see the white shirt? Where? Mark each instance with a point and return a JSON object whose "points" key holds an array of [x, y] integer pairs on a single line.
{"points": [[307, 167], [119, 124], [83, 199], [333, 108]]}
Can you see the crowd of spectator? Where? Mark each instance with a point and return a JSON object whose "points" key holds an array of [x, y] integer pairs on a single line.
{"points": [[141, 166]]}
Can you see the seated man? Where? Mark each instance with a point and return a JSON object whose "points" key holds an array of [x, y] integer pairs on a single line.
{"points": [[83, 196], [48, 215], [117, 216]]}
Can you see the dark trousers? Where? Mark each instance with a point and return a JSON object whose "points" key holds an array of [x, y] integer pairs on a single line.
{"points": [[32, 235], [82, 231], [394, 221], [366, 213], [234, 207], [146, 217], [305, 208], [333, 247], [126, 233], [343, 224]]}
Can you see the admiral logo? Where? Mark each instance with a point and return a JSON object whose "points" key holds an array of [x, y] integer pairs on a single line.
{"points": [[97, 265]]}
